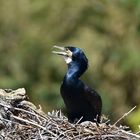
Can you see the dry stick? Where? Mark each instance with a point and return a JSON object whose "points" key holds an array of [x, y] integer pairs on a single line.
{"points": [[38, 113], [113, 136], [23, 110], [26, 121], [2, 119], [129, 133], [107, 121], [79, 120], [138, 131], [32, 123], [8, 106], [124, 115]]}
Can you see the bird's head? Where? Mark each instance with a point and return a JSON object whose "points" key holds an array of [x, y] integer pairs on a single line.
{"points": [[73, 56]]}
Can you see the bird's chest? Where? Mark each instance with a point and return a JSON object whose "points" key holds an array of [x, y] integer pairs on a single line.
{"points": [[73, 97], [71, 89], [71, 92]]}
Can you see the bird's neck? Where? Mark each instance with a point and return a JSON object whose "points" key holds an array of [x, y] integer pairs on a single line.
{"points": [[73, 74]]}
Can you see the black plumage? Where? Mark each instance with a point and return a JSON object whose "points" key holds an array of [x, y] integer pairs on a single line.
{"points": [[81, 101]]}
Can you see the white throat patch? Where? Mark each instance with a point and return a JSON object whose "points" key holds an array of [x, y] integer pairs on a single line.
{"points": [[67, 59]]}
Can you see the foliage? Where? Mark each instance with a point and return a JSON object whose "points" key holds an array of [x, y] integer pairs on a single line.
{"points": [[108, 32]]}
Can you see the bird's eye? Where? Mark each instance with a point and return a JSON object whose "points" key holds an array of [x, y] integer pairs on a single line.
{"points": [[66, 49]]}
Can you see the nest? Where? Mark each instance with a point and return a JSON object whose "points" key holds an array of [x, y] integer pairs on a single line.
{"points": [[20, 120]]}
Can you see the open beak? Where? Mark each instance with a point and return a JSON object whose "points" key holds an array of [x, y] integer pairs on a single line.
{"points": [[63, 51]]}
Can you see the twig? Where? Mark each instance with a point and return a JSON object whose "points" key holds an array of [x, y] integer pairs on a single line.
{"points": [[129, 133], [79, 120], [8, 106], [2, 119], [138, 133], [32, 123], [29, 122], [23, 110], [124, 115], [113, 136]]}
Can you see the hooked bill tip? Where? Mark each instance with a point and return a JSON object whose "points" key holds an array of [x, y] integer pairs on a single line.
{"points": [[59, 47]]}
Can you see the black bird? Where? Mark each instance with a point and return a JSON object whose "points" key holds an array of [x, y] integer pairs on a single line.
{"points": [[82, 102]]}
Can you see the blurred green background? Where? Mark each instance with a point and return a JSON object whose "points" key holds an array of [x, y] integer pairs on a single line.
{"points": [[107, 31]]}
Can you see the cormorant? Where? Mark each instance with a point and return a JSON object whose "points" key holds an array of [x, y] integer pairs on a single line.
{"points": [[82, 102]]}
